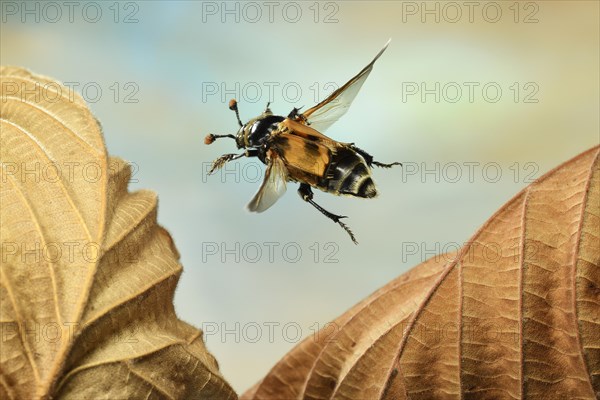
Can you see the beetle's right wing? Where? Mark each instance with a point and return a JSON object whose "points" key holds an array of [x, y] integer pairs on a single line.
{"points": [[324, 114]]}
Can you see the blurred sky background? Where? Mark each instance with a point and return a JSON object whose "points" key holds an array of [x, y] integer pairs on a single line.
{"points": [[166, 71]]}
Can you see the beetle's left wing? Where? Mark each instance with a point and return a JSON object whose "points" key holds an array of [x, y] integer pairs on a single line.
{"points": [[324, 114], [273, 186]]}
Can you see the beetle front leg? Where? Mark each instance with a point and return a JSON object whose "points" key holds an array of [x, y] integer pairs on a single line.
{"points": [[225, 158]]}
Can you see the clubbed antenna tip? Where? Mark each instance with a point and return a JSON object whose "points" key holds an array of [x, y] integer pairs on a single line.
{"points": [[209, 139]]}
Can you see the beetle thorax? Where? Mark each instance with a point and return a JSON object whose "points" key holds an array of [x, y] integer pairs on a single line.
{"points": [[257, 131]]}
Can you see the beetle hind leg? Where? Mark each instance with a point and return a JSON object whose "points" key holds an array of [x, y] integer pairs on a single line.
{"points": [[306, 194], [369, 159], [294, 113], [382, 165]]}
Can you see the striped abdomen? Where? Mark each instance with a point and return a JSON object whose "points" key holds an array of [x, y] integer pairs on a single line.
{"points": [[348, 174]]}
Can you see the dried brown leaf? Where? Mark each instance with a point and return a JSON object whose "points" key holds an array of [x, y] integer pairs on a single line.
{"points": [[87, 276], [514, 314]]}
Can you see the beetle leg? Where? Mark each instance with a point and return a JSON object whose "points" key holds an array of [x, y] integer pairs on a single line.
{"points": [[369, 158], [306, 193], [219, 162], [294, 113]]}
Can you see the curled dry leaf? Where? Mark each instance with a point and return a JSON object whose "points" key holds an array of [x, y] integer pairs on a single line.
{"points": [[87, 276], [514, 314]]}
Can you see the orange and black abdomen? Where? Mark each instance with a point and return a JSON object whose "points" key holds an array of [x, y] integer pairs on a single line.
{"points": [[322, 162], [349, 174], [306, 160]]}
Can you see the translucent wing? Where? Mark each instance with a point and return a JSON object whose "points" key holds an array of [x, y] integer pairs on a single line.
{"points": [[324, 114], [273, 186]]}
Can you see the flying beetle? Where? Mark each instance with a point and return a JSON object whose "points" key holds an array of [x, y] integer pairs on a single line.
{"points": [[294, 149]]}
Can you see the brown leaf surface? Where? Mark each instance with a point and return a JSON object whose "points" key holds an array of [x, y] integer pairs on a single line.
{"points": [[87, 276], [514, 314]]}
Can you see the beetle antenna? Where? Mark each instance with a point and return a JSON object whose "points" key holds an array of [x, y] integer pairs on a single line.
{"points": [[233, 106], [210, 138]]}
